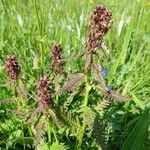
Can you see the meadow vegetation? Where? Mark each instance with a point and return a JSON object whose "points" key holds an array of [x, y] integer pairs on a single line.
{"points": [[74, 74]]}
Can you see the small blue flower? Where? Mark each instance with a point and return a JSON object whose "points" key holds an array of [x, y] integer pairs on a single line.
{"points": [[108, 88], [104, 73]]}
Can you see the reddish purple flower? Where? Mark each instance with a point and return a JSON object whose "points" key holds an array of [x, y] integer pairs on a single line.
{"points": [[100, 23], [43, 92], [56, 58], [12, 67]]}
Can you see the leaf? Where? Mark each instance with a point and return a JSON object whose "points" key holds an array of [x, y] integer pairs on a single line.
{"points": [[137, 137], [15, 134], [137, 101], [25, 140], [88, 116], [115, 95], [33, 114], [69, 100], [58, 146], [14, 137], [42, 146], [75, 80], [39, 130], [6, 101], [102, 105], [68, 119], [54, 116], [88, 61], [98, 132], [23, 115]]}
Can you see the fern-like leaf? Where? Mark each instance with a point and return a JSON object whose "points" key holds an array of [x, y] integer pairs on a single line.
{"points": [[21, 114], [88, 116], [75, 80], [68, 120], [116, 96], [98, 132], [53, 114], [39, 130], [59, 146], [34, 113], [6, 101], [102, 105]]}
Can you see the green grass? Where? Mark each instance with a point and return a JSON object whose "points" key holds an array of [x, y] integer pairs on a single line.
{"points": [[29, 28]]}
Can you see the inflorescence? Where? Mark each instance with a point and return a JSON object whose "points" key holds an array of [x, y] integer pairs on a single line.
{"points": [[100, 23], [12, 67], [56, 59], [43, 93]]}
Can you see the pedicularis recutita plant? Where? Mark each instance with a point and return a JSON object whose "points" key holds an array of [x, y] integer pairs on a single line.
{"points": [[85, 115]]}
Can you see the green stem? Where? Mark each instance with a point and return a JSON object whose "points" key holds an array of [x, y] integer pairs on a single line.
{"points": [[16, 84], [30, 131], [23, 136], [55, 136], [49, 132], [41, 42], [83, 128], [7, 147], [42, 58], [38, 18], [57, 87], [88, 87]]}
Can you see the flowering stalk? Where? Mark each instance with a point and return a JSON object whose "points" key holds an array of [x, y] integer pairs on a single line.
{"points": [[100, 23], [13, 70], [43, 93], [56, 58], [57, 64], [41, 45]]}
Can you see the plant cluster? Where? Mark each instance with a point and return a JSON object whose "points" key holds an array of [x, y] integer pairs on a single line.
{"points": [[48, 118]]}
